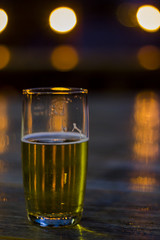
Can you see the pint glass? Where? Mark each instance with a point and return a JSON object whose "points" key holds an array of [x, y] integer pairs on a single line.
{"points": [[54, 154]]}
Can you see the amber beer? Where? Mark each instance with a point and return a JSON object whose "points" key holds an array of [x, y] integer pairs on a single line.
{"points": [[54, 175]]}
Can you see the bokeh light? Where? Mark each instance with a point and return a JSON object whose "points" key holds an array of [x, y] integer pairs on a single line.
{"points": [[3, 114], [148, 18], [4, 56], [143, 184], [4, 138], [64, 58], [62, 19], [3, 20], [149, 57], [146, 127], [126, 14]]}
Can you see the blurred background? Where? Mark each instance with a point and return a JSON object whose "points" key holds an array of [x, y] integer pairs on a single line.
{"points": [[99, 45]]}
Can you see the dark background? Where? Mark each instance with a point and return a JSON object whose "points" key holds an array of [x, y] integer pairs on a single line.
{"points": [[107, 49]]}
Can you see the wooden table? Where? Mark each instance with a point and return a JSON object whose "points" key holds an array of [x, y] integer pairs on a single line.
{"points": [[123, 187]]}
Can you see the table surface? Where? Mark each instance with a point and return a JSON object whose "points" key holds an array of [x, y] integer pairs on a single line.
{"points": [[123, 186]]}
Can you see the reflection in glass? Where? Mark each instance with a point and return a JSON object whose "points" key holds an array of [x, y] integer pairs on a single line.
{"points": [[58, 115], [29, 115]]}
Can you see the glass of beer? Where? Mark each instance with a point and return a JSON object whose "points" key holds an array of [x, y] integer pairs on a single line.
{"points": [[55, 136]]}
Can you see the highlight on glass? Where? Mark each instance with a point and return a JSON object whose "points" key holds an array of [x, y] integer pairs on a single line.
{"points": [[62, 19], [55, 138]]}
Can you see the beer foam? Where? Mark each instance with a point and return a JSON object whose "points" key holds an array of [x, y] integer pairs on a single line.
{"points": [[54, 138]]}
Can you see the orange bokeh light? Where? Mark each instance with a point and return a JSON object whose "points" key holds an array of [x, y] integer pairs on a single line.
{"points": [[64, 58], [149, 57]]}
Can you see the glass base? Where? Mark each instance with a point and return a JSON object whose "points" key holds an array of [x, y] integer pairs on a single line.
{"points": [[54, 221]]}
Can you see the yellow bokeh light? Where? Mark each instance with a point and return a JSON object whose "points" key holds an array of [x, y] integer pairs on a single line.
{"points": [[4, 138], [143, 184], [126, 14], [146, 127], [62, 19], [148, 18], [3, 114], [4, 142], [3, 20], [64, 58], [149, 57], [4, 56]]}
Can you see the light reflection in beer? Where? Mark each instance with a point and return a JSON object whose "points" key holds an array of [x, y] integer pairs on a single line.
{"points": [[74, 187], [62, 169], [35, 174], [62, 195], [83, 174], [29, 115], [43, 169], [35, 184], [65, 177], [54, 169], [69, 174], [146, 126], [29, 167]]}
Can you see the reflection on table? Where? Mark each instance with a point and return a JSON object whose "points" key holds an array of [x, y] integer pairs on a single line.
{"points": [[123, 186]]}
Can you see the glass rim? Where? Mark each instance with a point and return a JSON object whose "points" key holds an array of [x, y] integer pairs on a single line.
{"points": [[54, 90]]}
